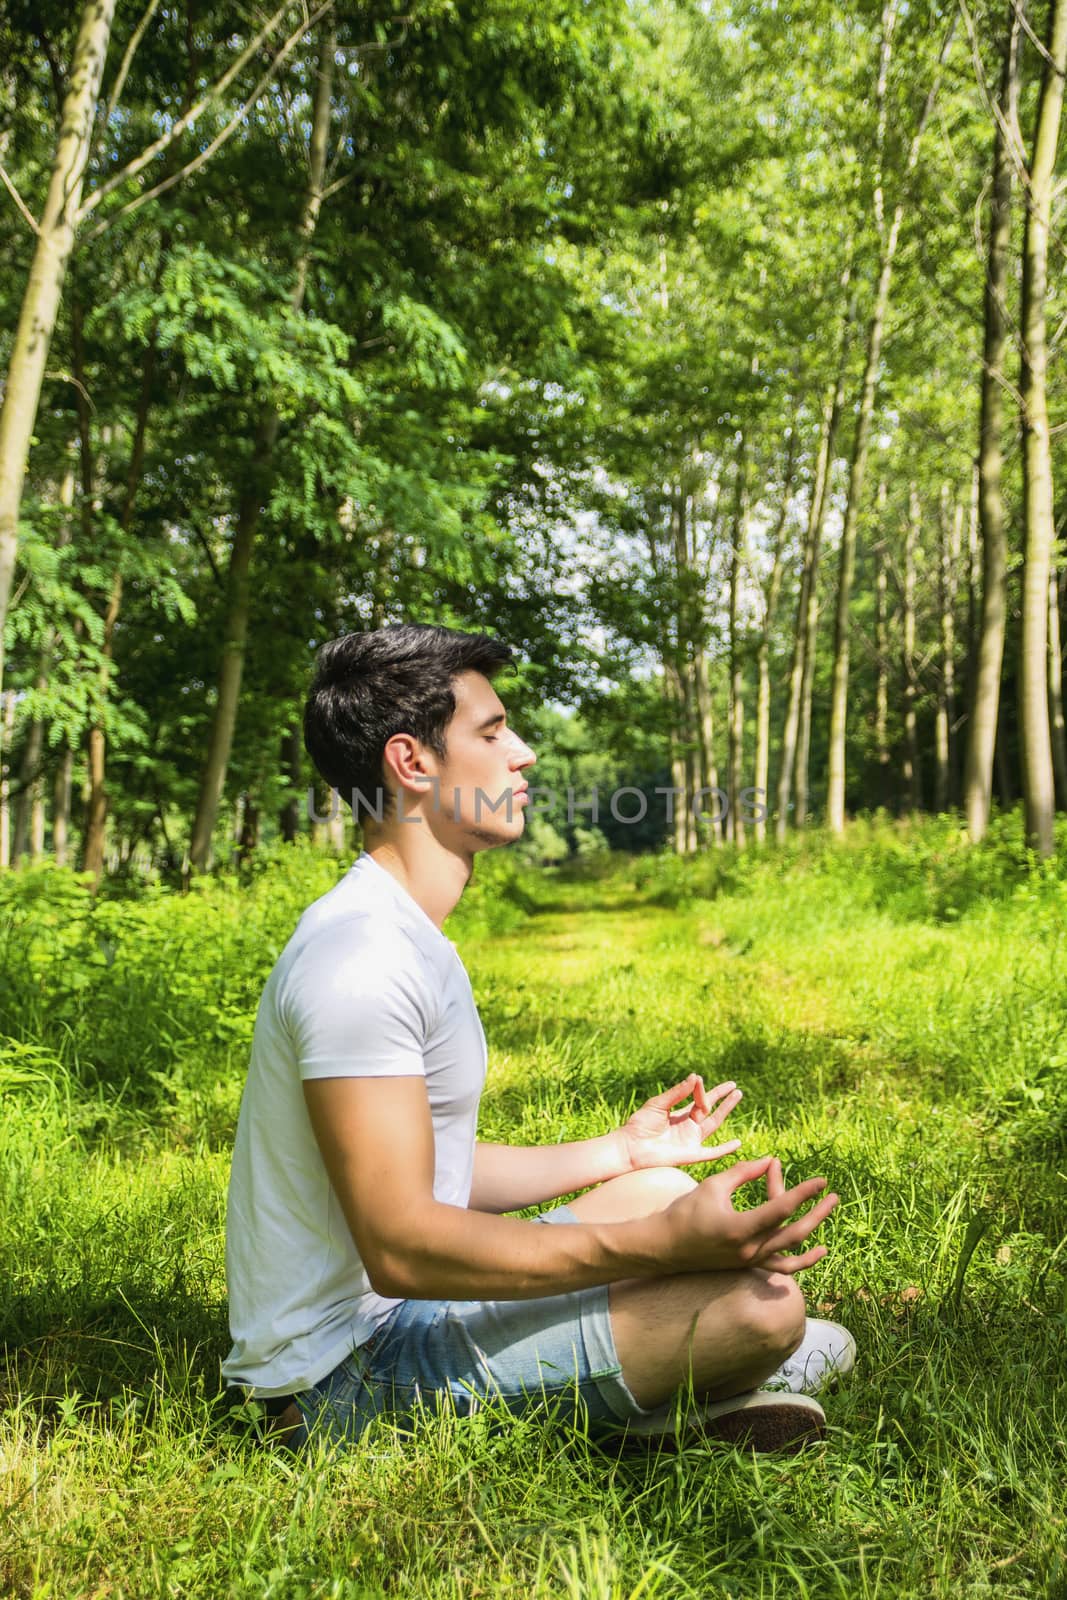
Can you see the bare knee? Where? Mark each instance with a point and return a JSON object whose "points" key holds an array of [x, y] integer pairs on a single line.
{"points": [[661, 1185], [634, 1194], [774, 1313]]}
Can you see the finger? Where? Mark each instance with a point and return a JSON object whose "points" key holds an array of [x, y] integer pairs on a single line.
{"points": [[791, 1264], [746, 1172], [775, 1181], [717, 1151], [712, 1096], [701, 1103], [671, 1097], [714, 1119], [796, 1232], [765, 1220], [689, 1158]]}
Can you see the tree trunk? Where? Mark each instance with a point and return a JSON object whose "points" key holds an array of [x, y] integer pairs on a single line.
{"points": [[807, 600], [31, 760], [946, 680], [881, 650], [912, 784], [249, 835], [1055, 692], [807, 689], [770, 615], [835, 798], [251, 501], [7, 724], [735, 822], [835, 795], [677, 757], [985, 691], [96, 825], [1039, 537], [974, 601], [61, 787], [292, 765], [40, 304], [709, 772], [28, 791], [689, 626]]}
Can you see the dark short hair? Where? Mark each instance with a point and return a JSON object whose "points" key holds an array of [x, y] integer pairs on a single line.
{"points": [[369, 686]]}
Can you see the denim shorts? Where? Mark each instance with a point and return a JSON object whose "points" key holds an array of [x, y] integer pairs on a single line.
{"points": [[464, 1353]]}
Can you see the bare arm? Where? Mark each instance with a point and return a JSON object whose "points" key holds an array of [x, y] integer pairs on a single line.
{"points": [[376, 1138], [508, 1177]]}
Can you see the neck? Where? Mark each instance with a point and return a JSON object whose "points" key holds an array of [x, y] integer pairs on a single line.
{"points": [[433, 875]]}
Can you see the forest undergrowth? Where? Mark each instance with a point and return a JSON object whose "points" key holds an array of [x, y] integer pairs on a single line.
{"points": [[894, 1009]]}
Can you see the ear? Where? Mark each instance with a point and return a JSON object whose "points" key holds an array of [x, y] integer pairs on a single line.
{"points": [[406, 759]]}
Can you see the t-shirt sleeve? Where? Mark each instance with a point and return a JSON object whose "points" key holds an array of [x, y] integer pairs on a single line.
{"points": [[366, 1013]]}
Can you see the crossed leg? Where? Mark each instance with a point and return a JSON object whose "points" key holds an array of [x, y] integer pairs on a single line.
{"points": [[729, 1330]]}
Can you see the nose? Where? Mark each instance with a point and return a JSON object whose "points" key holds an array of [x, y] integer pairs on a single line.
{"points": [[522, 755]]}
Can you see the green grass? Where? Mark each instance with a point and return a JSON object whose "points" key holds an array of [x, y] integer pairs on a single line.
{"points": [[894, 1010]]}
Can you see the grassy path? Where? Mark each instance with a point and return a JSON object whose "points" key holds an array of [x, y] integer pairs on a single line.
{"points": [[918, 1062]]}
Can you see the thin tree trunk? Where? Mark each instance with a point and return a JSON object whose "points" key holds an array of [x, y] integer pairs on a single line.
{"points": [[249, 835], [96, 824], [735, 822], [709, 772], [985, 694], [1055, 692], [835, 795], [881, 648], [974, 603], [912, 782], [945, 677], [763, 675], [61, 787], [252, 500], [692, 757], [292, 765], [688, 627], [807, 690], [40, 304], [807, 600], [7, 725], [1034, 729], [31, 760], [28, 792], [677, 757], [835, 798]]}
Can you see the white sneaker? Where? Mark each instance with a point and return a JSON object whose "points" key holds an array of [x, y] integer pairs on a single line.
{"points": [[826, 1353], [755, 1420]]}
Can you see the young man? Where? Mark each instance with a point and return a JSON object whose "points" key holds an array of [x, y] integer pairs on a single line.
{"points": [[369, 1259]]}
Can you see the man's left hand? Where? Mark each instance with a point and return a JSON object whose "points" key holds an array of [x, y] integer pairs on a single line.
{"points": [[659, 1135]]}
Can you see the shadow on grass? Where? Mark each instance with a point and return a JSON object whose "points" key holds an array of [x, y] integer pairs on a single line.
{"points": [[783, 1067], [115, 1349]]}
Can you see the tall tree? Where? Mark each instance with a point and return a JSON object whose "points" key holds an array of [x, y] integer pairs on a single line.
{"points": [[252, 500], [985, 691], [889, 238], [48, 269], [1034, 729]]}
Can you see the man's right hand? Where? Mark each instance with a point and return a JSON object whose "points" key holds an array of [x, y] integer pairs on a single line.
{"points": [[706, 1234]]}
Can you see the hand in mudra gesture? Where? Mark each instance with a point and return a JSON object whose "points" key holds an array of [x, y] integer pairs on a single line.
{"points": [[661, 1135], [708, 1234]]}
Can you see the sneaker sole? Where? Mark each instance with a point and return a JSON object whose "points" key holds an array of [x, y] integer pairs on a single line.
{"points": [[759, 1422], [774, 1424]]}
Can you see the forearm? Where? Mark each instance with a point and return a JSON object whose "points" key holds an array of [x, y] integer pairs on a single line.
{"points": [[508, 1177], [452, 1253]]}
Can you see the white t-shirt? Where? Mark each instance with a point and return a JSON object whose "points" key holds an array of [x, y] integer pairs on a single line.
{"points": [[368, 986]]}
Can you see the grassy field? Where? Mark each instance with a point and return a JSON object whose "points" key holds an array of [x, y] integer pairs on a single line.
{"points": [[895, 1013]]}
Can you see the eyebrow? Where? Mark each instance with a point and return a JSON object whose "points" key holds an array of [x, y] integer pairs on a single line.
{"points": [[491, 722]]}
